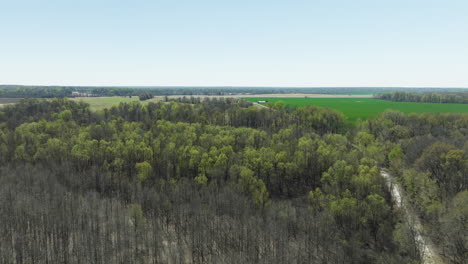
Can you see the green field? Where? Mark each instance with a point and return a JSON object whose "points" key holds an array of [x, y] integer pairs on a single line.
{"points": [[363, 108]]}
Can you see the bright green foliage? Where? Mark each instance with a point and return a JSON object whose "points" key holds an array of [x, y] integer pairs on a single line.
{"points": [[376, 209], [53, 149], [346, 212], [317, 199], [65, 115], [260, 161], [446, 165], [433, 158], [421, 188], [255, 186], [396, 159], [365, 139], [367, 181], [396, 154], [338, 177], [144, 171], [201, 180]]}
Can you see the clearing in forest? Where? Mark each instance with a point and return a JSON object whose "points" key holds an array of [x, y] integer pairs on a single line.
{"points": [[99, 103], [7, 101]]}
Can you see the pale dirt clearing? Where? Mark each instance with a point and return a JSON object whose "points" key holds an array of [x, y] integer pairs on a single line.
{"points": [[8, 101], [426, 247], [2, 105]]}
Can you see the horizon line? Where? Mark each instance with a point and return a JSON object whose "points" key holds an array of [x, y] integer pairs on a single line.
{"points": [[233, 86]]}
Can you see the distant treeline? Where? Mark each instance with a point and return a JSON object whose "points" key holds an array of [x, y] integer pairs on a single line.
{"points": [[20, 91], [426, 97]]}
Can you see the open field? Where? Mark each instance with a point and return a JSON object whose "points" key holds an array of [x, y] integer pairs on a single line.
{"points": [[300, 95], [99, 103], [363, 108], [5, 101]]}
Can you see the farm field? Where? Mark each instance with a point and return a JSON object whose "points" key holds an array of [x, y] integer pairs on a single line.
{"points": [[99, 103], [364, 108], [302, 95], [5, 101]]}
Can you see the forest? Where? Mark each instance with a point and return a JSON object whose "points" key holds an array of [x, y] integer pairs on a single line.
{"points": [[224, 181], [426, 97]]}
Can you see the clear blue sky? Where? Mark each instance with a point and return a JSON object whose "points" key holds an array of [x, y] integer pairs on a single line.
{"points": [[236, 42]]}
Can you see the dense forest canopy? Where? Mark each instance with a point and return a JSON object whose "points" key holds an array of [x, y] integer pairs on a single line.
{"points": [[224, 181], [453, 97], [21, 91], [430, 157]]}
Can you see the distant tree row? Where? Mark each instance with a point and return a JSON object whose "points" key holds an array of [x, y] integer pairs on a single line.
{"points": [[20, 91], [443, 98], [145, 96]]}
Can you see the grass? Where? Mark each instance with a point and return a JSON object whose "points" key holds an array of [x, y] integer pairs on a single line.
{"points": [[364, 108]]}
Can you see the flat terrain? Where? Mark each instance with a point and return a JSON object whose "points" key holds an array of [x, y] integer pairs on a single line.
{"points": [[99, 103], [364, 108], [299, 95], [5, 101]]}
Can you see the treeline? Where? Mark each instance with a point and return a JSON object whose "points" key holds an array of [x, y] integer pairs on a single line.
{"points": [[145, 96], [20, 91], [210, 181], [426, 97], [430, 156], [14, 91]]}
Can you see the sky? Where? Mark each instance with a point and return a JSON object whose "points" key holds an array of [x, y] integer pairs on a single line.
{"points": [[297, 43]]}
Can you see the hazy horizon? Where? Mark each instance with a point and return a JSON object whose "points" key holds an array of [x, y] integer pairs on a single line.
{"points": [[245, 86]]}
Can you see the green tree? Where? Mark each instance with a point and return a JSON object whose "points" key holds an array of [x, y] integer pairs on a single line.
{"points": [[455, 227], [144, 171], [255, 187]]}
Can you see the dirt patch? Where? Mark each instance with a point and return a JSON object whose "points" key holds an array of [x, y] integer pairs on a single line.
{"points": [[7, 101], [427, 248]]}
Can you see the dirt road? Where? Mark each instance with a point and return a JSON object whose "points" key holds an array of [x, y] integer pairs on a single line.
{"points": [[426, 247]]}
